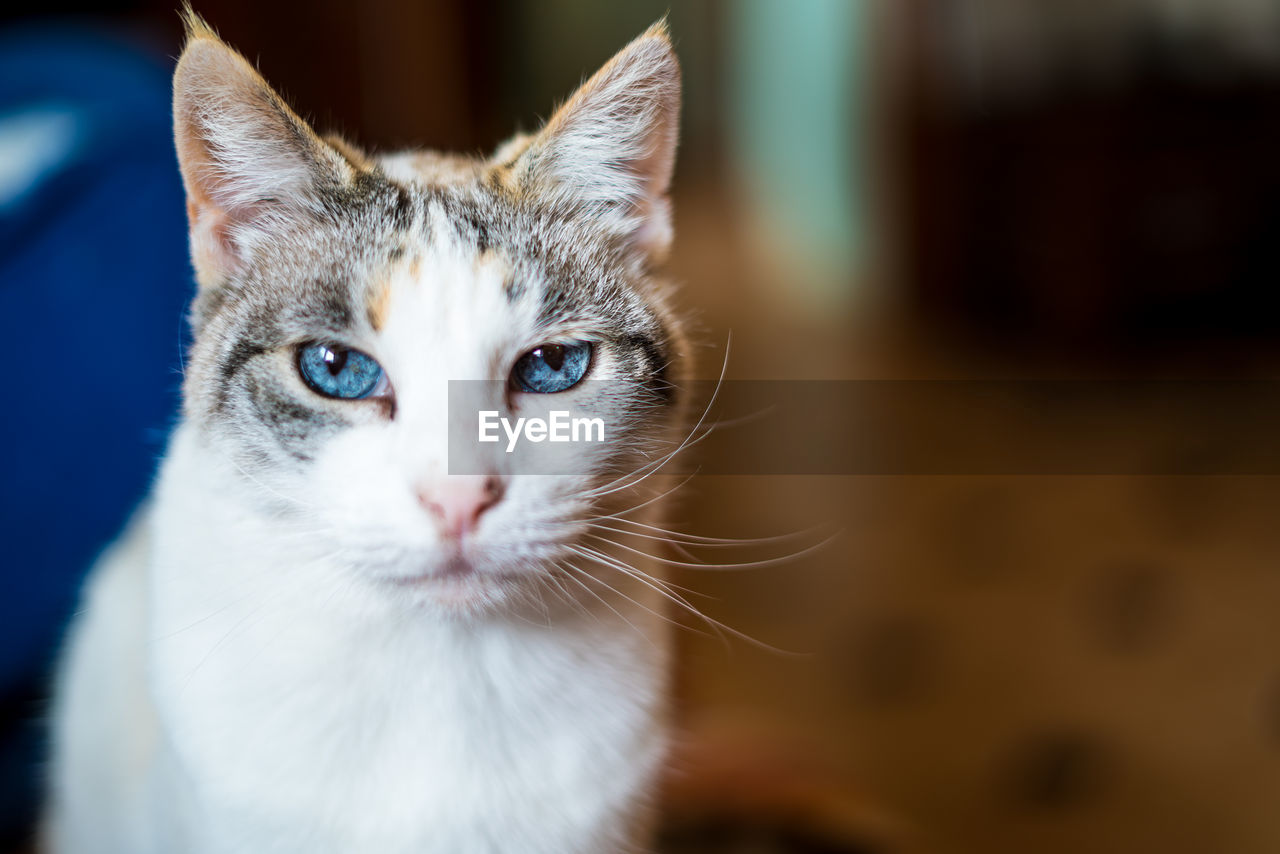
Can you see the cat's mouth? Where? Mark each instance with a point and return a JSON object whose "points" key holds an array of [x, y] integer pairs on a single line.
{"points": [[457, 578]]}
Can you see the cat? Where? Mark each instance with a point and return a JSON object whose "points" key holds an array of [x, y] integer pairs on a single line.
{"points": [[313, 636]]}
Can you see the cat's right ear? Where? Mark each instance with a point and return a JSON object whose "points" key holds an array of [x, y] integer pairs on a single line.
{"points": [[610, 150], [248, 162]]}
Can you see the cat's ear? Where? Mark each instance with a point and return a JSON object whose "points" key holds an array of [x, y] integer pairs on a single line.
{"points": [[248, 162], [611, 148]]}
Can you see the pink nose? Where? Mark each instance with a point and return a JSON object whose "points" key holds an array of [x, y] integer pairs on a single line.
{"points": [[458, 501]]}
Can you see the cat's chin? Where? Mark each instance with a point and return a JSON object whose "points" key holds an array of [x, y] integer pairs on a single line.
{"points": [[458, 585]]}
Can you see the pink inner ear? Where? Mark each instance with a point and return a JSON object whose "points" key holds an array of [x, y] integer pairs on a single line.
{"points": [[615, 138], [213, 247], [655, 233], [239, 145]]}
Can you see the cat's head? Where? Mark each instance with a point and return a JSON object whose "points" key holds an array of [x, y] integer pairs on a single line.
{"points": [[340, 292]]}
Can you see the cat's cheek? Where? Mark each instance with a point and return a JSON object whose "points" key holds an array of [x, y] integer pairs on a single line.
{"points": [[363, 496]]}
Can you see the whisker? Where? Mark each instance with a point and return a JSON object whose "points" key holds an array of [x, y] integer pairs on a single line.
{"points": [[679, 537], [689, 440], [644, 504], [754, 564], [664, 582], [718, 626], [563, 593], [714, 541], [269, 489], [618, 592], [601, 600]]}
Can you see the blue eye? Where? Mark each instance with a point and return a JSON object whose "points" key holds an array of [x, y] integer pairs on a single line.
{"points": [[552, 367], [337, 371]]}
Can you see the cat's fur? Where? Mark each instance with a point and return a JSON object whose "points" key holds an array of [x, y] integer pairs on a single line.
{"points": [[279, 655]]}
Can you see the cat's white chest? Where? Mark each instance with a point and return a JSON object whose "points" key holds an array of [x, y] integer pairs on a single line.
{"points": [[440, 759], [435, 762]]}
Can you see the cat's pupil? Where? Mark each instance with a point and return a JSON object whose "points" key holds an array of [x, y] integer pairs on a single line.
{"points": [[335, 360], [553, 355]]}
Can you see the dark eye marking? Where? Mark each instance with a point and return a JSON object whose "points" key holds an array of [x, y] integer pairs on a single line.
{"points": [[656, 361], [240, 354]]}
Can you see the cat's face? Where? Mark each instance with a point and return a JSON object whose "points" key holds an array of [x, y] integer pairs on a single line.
{"points": [[341, 293]]}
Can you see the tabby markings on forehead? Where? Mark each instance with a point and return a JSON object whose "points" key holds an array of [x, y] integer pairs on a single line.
{"points": [[379, 297], [378, 301]]}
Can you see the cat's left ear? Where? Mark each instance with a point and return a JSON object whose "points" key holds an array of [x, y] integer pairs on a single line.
{"points": [[610, 149]]}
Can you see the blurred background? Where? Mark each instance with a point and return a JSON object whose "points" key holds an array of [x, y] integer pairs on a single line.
{"points": [[867, 190]]}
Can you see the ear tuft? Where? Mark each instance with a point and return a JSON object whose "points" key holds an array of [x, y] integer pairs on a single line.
{"points": [[610, 149], [658, 30], [195, 26]]}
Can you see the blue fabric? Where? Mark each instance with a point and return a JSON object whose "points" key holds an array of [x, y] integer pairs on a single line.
{"points": [[94, 281]]}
